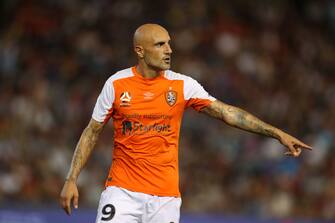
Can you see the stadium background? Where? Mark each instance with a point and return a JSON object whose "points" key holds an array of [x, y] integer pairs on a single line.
{"points": [[275, 59]]}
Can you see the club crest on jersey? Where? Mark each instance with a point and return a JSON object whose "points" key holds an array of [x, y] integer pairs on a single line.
{"points": [[171, 97], [125, 99]]}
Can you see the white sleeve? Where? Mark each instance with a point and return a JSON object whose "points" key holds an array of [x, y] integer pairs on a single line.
{"points": [[195, 95], [104, 106]]}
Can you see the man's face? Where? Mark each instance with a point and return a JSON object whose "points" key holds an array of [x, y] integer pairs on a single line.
{"points": [[157, 50]]}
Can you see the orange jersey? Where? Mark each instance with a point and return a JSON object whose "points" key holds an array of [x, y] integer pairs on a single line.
{"points": [[146, 115]]}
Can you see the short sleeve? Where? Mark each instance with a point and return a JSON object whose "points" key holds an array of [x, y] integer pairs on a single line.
{"points": [[195, 95], [104, 106]]}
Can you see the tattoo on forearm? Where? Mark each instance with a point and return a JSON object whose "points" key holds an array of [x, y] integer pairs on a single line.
{"points": [[241, 119], [83, 150]]}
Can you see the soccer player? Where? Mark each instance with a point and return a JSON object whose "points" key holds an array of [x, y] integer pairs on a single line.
{"points": [[146, 103]]}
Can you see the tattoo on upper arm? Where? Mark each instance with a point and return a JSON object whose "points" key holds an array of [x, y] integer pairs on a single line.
{"points": [[216, 110]]}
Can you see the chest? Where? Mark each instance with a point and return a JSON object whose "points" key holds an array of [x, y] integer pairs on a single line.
{"points": [[147, 98]]}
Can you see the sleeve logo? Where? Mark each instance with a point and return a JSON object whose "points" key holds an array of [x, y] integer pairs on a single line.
{"points": [[125, 99], [171, 97]]}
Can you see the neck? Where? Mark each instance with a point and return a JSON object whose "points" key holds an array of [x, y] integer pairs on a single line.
{"points": [[146, 71]]}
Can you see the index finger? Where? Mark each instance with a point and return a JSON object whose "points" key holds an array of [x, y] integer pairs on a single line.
{"points": [[304, 146]]}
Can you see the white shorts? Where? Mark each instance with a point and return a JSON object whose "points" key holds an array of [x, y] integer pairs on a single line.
{"points": [[118, 205]]}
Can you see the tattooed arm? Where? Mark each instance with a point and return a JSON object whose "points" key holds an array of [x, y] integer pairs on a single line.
{"points": [[83, 150], [241, 119]]}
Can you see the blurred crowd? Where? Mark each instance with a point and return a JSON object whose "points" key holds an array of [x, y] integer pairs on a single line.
{"points": [[275, 59]]}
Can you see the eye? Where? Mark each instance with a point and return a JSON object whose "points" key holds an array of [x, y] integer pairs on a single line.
{"points": [[159, 44]]}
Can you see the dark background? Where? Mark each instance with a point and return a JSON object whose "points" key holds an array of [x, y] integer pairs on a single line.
{"points": [[274, 59]]}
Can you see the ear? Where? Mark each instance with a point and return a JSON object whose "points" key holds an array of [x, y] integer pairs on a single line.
{"points": [[139, 51]]}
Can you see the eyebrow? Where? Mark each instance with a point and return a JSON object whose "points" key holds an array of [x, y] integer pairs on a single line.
{"points": [[162, 42]]}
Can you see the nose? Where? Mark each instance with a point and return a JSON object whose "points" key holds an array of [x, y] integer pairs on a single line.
{"points": [[168, 49]]}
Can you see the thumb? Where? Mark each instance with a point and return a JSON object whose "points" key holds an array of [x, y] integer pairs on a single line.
{"points": [[75, 201]]}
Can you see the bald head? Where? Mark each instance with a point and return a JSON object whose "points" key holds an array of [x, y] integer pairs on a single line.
{"points": [[152, 47], [146, 33]]}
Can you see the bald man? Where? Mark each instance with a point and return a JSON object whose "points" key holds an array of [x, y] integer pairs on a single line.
{"points": [[146, 103]]}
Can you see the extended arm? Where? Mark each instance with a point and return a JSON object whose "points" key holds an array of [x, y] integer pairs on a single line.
{"points": [[239, 118], [83, 150]]}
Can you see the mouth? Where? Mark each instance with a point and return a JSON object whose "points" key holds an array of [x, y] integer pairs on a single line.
{"points": [[167, 60]]}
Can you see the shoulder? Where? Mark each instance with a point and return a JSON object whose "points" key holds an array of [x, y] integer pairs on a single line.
{"points": [[189, 82], [171, 75], [122, 74]]}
